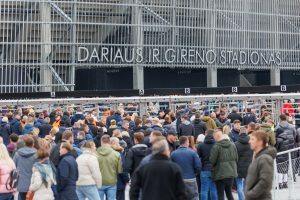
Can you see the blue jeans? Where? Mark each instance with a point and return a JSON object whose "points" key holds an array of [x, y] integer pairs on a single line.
{"points": [[240, 184], [110, 192], [207, 185], [88, 191], [6, 196]]}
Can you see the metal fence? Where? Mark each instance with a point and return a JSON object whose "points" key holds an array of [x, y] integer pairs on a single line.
{"points": [[287, 176], [42, 42]]}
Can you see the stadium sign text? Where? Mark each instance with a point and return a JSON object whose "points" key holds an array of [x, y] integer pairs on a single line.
{"points": [[177, 56]]}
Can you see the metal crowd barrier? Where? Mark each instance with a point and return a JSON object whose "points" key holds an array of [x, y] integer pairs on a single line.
{"points": [[286, 185]]}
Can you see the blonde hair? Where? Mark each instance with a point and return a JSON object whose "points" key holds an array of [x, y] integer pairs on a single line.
{"points": [[226, 130], [53, 131], [125, 133], [4, 156]]}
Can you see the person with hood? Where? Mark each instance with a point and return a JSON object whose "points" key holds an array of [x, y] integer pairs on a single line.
{"points": [[159, 178], [224, 158], [249, 117], [45, 128], [15, 125], [136, 154], [123, 178], [90, 178], [190, 165], [235, 132], [245, 158], [24, 160], [209, 122], [260, 174], [207, 184], [78, 116], [234, 115], [185, 128], [267, 128], [43, 175], [28, 126], [67, 173], [5, 130], [6, 167], [222, 120], [110, 166]]}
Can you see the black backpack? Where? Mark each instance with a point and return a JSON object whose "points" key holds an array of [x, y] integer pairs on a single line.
{"points": [[13, 179]]}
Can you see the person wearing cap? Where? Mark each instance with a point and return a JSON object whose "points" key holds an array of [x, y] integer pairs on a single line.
{"points": [[235, 132], [209, 122], [185, 128], [222, 120], [5, 130], [172, 140]]}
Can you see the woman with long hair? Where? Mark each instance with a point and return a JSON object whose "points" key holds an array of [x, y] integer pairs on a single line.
{"points": [[261, 170], [43, 175], [6, 167]]}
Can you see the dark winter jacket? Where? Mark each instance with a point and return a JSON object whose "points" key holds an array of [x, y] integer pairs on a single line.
{"points": [[245, 155], [235, 116], [24, 160], [199, 127], [16, 126], [5, 132], [234, 135], [78, 116], [55, 155], [188, 160], [186, 129], [224, 158], [285, 140], [159, 179], [123, 178], [93, 129], [158, 128], [248, 118], [134, 156], [116, 117], [67, 175], [260, 175], [45, 130], [204, 152], [67, 121]]}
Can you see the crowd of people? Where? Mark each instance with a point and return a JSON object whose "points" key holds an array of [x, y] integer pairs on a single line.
{"points": [[190, 154]]}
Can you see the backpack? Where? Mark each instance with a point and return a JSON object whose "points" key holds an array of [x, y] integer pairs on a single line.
{"points": [[13, 179]]}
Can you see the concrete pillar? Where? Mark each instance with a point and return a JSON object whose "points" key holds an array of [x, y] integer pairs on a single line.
{"points": [[45, 72], [275, 76], [212, 72], [138, 40], [212, 77]]}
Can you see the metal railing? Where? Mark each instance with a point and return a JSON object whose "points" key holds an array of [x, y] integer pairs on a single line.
{"points": [[286, 183]]}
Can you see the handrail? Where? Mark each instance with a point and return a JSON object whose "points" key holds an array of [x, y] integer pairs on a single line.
{"points": [[288, 151]]}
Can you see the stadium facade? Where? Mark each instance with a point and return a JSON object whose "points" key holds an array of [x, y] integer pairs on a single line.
{"points": [[65, 45]]}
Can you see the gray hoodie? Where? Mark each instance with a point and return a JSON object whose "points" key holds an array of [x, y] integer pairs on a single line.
{"points": [[24, 160]]}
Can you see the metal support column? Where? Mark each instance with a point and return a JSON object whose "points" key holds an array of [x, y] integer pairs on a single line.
{"points": [[45, 72], [212, 72], [138, 40], [275, 76], [73, 37]]}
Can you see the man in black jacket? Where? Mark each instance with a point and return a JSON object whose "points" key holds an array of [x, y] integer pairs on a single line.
{"points": [[160, 178], [234, 115], [207, 184], [185, 128], [45, 128], [199, 126], [249, 117], [136, 154], [245, 155]]}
